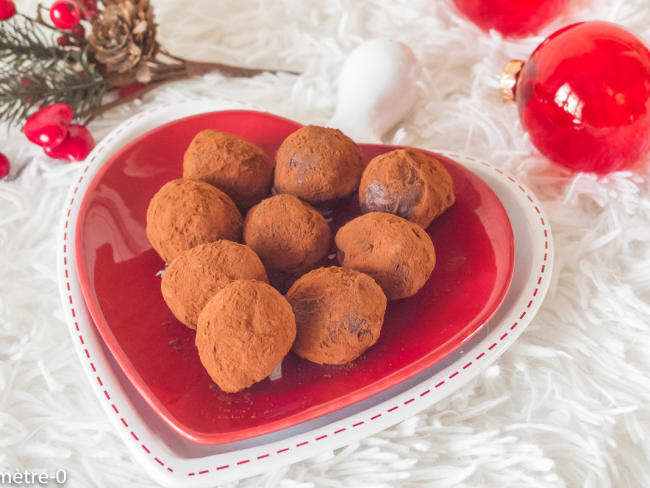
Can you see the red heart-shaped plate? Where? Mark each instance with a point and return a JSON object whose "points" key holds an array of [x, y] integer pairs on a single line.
{"points": [[117, 270]]}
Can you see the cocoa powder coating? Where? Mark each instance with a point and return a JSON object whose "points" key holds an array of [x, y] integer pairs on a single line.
{"points": [[197, 275], [339, 314], [318, 164], [185, 213], [287, 234], [232, 164], [408, 183], [243, 333], [397, 253]]}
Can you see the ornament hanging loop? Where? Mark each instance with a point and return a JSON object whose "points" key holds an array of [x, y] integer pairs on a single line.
{"points": [[509, 78]]}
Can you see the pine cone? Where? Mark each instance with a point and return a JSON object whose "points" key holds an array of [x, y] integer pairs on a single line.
{"points": [[124, 35]]}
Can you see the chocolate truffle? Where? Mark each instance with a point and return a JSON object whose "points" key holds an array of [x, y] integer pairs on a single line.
{"points": [[232, 164], [186, 213], [287, 234], [408, 183], [339, 314], [397, 253], [318, 164], [243, 333], [198, 274]]}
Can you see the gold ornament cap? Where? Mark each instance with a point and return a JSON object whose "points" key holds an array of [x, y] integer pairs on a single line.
{"points": [[509, 79]]}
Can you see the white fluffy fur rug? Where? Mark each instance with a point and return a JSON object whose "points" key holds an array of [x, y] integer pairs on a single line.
{"points": [[567, 405]]}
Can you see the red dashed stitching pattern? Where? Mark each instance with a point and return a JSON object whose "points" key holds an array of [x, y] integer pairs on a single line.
{"points": [[376, 416]]}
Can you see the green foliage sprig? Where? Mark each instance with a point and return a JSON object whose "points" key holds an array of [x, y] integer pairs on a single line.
{"points": [[36, 72]]}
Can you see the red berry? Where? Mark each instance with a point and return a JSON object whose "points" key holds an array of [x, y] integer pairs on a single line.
{"points": [[76, 147], [26, 82], [4, 166], [78, 31], [63, 40], [130, 89], [49, 126], [7, 9], [65, 14], [91, 9]]}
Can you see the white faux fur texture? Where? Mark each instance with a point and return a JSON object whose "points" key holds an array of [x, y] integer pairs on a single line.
{"points": [[567, 405]]}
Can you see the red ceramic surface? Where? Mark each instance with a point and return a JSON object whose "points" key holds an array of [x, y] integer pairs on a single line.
{"points": [[515, 18], [117, 269], [584, 97]]}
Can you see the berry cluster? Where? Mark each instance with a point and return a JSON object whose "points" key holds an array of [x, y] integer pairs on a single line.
{"points": [[52, 129], [67, 14]]}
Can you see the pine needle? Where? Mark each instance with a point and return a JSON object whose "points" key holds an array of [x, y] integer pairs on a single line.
{"points": [[23, 41], [36, 72]]}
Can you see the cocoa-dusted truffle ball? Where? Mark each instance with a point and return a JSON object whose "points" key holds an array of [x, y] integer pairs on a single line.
{"points": [[232, 164], [339, 314], [397, 253], [243, 333], [186, 213], [408, 183], [318, 164], [196, 275], [287, 234]]}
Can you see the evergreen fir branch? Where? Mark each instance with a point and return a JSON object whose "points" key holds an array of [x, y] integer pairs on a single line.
{"points": [[23, 41], [28, 88]]}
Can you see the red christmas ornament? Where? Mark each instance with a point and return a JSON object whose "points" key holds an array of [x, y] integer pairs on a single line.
{"points": [[65, 14], [7, 10], [75, 147], [49, 126], [4, 166], [584, 97], [514, 18]]}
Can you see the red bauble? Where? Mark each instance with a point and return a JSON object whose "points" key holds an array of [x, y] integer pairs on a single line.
{"points": [[49, 126], [584, 97], [7, 9], [515, 18], [76, 146], [65, 14], [4, 166]]}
